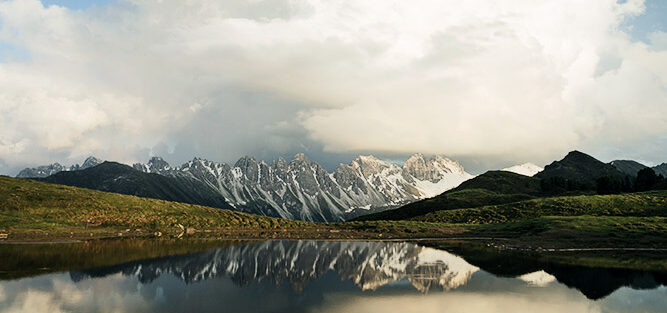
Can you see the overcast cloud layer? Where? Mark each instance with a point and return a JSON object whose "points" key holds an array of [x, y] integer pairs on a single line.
{"points": [[493, 82]]}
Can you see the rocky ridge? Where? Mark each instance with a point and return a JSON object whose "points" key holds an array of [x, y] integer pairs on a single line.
{"points": [[303, 190], [48, 170]]}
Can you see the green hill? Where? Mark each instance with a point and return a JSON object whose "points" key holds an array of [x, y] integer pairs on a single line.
{"points": [[42, 207], [577, 171], [503, 182], [492, 187], [636, 204], [467, 198]]}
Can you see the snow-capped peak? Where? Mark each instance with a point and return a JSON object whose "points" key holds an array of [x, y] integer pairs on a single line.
{"points": [[527, 169], [539, 278]]}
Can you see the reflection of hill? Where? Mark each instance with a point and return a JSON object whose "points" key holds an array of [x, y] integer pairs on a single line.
{"points": [[594, 283], [369, 265]]}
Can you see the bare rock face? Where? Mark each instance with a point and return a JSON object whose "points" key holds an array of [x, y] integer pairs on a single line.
{"points": [[302, 189], [433, 169]]}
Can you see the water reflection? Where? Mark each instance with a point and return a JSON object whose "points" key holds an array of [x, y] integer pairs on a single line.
{"points": [[368, 264], [309, 276]]}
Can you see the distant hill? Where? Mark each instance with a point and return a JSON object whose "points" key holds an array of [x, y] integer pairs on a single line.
{"points": [[492, 187], [503, 182], [628, 166], [634, 204], [577, 171], [119, 178], [661, 169], [451, 200]]}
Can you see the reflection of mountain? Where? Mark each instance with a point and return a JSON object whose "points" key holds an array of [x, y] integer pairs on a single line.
{"points": [[597, 283], [369, 265]]}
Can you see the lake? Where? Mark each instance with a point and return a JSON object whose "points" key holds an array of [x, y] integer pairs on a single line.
{"points": [[317, 276]]}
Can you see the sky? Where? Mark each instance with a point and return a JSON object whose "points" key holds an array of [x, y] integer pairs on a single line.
{"points": [[488, 83]]}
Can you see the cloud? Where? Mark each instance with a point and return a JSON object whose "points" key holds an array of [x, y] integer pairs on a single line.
{"points": [[500, 80]]}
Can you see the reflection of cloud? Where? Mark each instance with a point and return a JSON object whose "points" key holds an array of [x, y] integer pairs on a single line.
{"points": [[459, 302], [36, 301], [539, 278], [119, 293], [57, 293]]}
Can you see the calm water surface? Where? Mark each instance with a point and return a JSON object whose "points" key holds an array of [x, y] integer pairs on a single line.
{"points": [[318, 276]]}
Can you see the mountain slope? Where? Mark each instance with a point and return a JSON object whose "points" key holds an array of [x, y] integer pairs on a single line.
{"points": [[628, 166], [119, 178], [468, 198], [648, 204], [492, 187], [527, 169], [503, 182], [579, 170], [661, 169]]}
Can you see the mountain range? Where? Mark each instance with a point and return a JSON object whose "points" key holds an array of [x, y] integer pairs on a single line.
{"points": [[299, 189], [48, 170]]}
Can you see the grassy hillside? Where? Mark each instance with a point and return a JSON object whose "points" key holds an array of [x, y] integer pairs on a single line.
{"points": [[503, 182], [467, 198], [636, 204], [43, 207]]}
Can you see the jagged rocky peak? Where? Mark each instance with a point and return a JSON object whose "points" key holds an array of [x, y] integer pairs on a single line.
{"points": [[248, 166], [41, 171], [449, 165], [157, 163], [279, 163], [90, 162], [431, 169], [369, 165], [300, 157]]}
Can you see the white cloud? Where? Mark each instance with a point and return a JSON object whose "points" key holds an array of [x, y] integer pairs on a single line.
{"points": [[500, 79]]}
